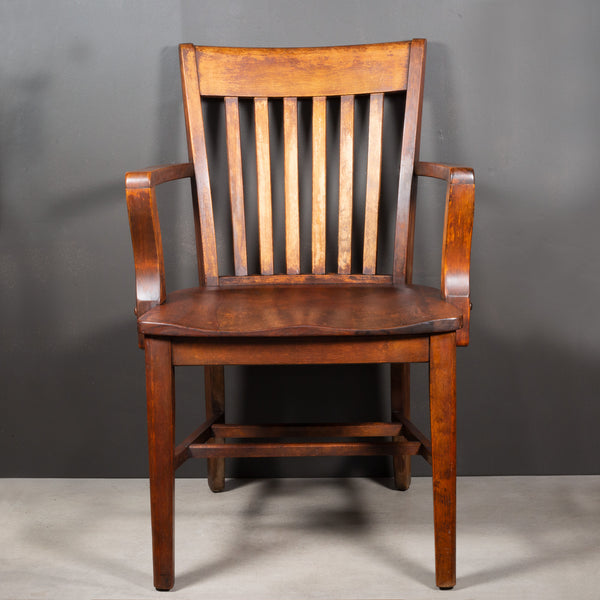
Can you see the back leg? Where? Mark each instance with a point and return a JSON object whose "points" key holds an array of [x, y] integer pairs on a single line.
{"points": [[214, 393], [400, 384]]}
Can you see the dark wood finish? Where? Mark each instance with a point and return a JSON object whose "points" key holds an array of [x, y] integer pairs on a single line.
{"points": [[458, 230], [294, 72], [263, 176], [299, 351], [319, 188], [154, 176], [161, 444], [201, 434], [285, 279], [295, 310], [208, 268], [409, 153], [442, 401], [297, 317], [308, 430], [373, 184], [292, 206], [411, 432], [236, 185], [208, 441], [345, 184], [288, 449], [145, 231], [214, 394], [400, 392]]}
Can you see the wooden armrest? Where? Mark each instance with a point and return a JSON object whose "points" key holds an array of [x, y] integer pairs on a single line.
{"points": [[458, 230], [140, 187], [157, 175]]}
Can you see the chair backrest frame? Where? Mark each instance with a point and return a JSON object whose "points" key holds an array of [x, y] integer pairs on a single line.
{"points": [[290, 74]]}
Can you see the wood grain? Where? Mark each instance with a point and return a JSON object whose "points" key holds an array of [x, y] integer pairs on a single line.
{"points": [[458, 232], [305, 278], [208, 269], [263, 176], [294, 310], [319, 189], [409, 154], [236, 186], [287, 72], [442, 401], [400, 405], [214, 397], [300, 351], [322, 430], [303, 318], [292, 206], [161, 446], [373, 183], [345, 184], [280, 449]]}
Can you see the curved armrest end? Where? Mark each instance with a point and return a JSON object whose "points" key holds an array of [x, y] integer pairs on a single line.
{"points": [[451, 173], [154, 176], [150, 288], [458, 231]]}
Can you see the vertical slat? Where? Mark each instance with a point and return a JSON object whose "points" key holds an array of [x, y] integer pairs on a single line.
{"points": [[319, 174], [345, 187], [410, 152], [236, 185], [263, 176], [292, 211], [373, 183], [208, 269]]}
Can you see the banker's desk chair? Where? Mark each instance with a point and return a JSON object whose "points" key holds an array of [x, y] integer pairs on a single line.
{"points": [[308, 311]]}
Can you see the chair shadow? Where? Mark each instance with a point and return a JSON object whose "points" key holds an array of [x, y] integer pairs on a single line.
{"points": [[352, 521], [349, 519]]}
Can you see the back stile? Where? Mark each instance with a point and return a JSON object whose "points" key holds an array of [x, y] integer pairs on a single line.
{"points": [[373, 183], [319, 171], [203, 213], [410, 154], [263, 175], [292, 209], [345, 187], [236, 185]]}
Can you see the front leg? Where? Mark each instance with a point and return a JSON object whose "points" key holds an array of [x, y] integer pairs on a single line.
{"points": [[161, 444], [442, 402]]}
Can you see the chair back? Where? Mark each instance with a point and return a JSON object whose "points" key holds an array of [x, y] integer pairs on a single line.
{"points": [[301, 98]]}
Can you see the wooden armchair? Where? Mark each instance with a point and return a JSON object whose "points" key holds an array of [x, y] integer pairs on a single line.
{"points": [[353, 315]]}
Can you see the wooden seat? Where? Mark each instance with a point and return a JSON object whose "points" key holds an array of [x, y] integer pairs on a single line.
{"points": [[312, 297], [302, 310]]}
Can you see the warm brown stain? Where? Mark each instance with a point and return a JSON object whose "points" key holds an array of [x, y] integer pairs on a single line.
{"points": [[295, 317]]}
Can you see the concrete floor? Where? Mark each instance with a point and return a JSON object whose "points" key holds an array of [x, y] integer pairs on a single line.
{"points": [[518, 538]]}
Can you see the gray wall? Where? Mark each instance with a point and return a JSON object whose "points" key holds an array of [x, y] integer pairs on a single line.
{"points": [[89, 90]]}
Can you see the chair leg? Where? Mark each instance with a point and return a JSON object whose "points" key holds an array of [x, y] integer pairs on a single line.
{"points": [[400, 388], [442, 400], [161, 443], [214, 393]]}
